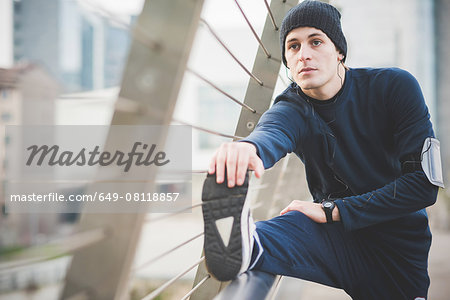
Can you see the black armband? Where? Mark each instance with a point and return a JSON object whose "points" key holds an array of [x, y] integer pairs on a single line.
{"points": [[411, 163]]}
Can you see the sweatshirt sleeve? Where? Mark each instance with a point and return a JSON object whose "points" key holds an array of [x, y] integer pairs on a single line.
{"points": [[410, 192], [277, 133]]}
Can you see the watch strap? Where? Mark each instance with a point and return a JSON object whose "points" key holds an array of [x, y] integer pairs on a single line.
{"points": [[329, 215], [328, 207]]}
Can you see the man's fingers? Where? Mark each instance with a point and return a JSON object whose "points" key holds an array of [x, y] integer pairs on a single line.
{"points": [[220, 164], [292, 206], [257, 165], [212, 164], [284, 211], [237, 158], [232, 157], [242, 167]]}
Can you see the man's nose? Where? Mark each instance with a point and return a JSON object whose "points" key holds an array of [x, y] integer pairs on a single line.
{"points": [[304, 53]]}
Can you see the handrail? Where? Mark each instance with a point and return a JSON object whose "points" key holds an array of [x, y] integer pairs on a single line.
{"points": [[55, 249], [249, 285]]}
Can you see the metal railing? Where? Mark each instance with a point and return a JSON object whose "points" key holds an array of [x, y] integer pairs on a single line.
{"points": [[251, 285]]}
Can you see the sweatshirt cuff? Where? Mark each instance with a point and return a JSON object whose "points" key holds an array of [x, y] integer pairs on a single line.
{"points": [[343, 212]]}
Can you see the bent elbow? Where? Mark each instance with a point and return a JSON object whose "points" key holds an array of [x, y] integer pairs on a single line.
{"points": [[432, 196]]}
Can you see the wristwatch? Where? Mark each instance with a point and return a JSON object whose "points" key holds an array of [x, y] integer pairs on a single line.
{"points": [[328, 207]]}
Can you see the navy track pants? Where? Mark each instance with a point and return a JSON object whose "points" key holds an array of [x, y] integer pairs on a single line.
{"points": [[370, 263]]}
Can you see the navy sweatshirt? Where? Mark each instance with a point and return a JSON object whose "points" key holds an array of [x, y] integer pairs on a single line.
{"points": [[352, 147]]}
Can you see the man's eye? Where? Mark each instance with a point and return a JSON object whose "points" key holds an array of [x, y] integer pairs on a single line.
{"points": [[293, 47], [316, 42]]}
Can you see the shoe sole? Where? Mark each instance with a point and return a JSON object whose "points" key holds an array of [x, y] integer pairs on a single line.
{"points": [[219, 201]]}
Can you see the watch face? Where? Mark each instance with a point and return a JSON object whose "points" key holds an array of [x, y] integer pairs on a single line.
{"points": [[327, 204]]}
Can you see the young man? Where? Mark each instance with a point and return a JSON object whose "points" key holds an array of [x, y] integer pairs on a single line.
{"points": [[372, 166]]}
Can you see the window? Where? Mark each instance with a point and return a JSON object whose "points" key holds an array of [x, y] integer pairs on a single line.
{"points": [[6, 117], [7, 140], [4, 94]]}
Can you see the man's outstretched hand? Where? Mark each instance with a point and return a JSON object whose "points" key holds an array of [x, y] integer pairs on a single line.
{"points": [[312, 210], [237, 157]]}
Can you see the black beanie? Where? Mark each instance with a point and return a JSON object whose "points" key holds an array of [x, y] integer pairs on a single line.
{"points": [[316, 14]]}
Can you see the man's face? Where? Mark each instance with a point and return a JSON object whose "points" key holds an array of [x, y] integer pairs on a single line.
{"points": [[312, 59]]}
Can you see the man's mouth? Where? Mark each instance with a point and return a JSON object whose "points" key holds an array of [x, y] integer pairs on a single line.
{"points": [[307, 70]]}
